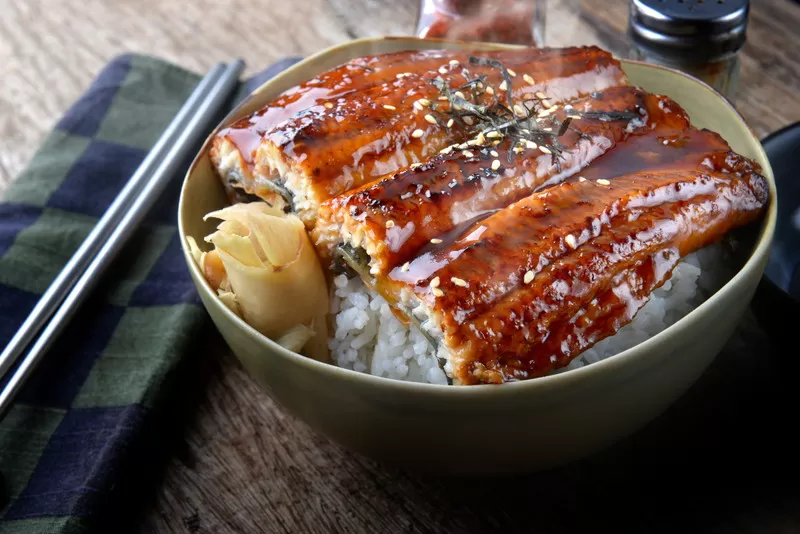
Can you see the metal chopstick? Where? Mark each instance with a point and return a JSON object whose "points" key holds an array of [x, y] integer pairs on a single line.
{"points": [[192, 133], [67, 277]]}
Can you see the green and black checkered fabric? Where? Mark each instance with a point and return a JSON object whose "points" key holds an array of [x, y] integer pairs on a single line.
{"points": [[79, 421]]}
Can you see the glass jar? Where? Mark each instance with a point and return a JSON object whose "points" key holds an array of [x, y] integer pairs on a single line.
{"points": [[500, 21], [699, 37], [722, 74]]}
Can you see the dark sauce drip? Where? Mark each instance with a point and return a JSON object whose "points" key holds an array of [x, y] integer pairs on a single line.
{"points": [[663, 148]]}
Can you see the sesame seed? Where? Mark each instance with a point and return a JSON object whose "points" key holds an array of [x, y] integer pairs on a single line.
{"points": [[443, 98], [526, 131], [574, 117], [417, 106], [407, 74], [528, 278], [549, 105], [503, 86], [430, 118], [528, 79], [545, 150], [468, 154], [581, 179], [489, 90], [494, 134], [328, 105], [438, 292], [463, 146], [666, 142], [518, 150], [540, 95], [424, 102], [530, 144], [571, 241], [454, 62], [450, 123], [472, 142], [405, 268], [469, 120], [436, 241], [494, 153], [390, 224], [544, 113], [400, 75], [446, 150], [435, 282], [519, 110], [603, 181], [390, 108], [495, 164], [417, 133], [480, 138], [459, 281], [442, 70], [459, 94], [415, 165], [511, 72]]}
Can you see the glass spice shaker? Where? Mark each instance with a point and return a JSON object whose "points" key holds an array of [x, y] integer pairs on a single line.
{"points": [[699, 37], [500, 21]]}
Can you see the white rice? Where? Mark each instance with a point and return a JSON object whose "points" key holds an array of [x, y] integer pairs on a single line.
{"points": [[368, 338]]}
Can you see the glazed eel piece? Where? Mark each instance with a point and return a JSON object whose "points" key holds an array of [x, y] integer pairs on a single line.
{"points": [[349, 126], [391, 219], [530, 287]]}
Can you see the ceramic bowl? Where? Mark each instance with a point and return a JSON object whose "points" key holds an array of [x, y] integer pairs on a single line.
{"points": [[514, 427]]}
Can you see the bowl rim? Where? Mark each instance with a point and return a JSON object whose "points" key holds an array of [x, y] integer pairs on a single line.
{"points": [[568, 378]]}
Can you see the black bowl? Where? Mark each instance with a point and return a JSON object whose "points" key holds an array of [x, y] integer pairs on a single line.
{"points": [[777, 300]]}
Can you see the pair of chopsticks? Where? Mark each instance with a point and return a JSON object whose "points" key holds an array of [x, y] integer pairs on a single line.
{"points": [[83, 271]]}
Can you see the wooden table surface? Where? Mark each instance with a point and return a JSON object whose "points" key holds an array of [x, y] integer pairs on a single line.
{"points": [[721, 460]]}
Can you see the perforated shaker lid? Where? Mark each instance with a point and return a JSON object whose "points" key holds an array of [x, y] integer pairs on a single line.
{"points": [[689, 30]]}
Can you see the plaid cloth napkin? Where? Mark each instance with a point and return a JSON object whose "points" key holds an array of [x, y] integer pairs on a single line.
{"points": [[79, 436]]}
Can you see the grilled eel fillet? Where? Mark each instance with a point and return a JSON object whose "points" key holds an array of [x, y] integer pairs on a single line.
{"points": [[395, 216], [520, 291], [375, 115], [532, 286]]}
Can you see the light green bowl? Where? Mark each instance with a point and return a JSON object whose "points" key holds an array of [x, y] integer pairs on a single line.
{"points": [[515, 427]]}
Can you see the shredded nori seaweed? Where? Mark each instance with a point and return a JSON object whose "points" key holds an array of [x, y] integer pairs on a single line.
{"points": [[278, 188], [356, 259], [495, 116]]}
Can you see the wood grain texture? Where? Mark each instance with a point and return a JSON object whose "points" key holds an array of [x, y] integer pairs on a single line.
{"points": [[719, 461]]}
